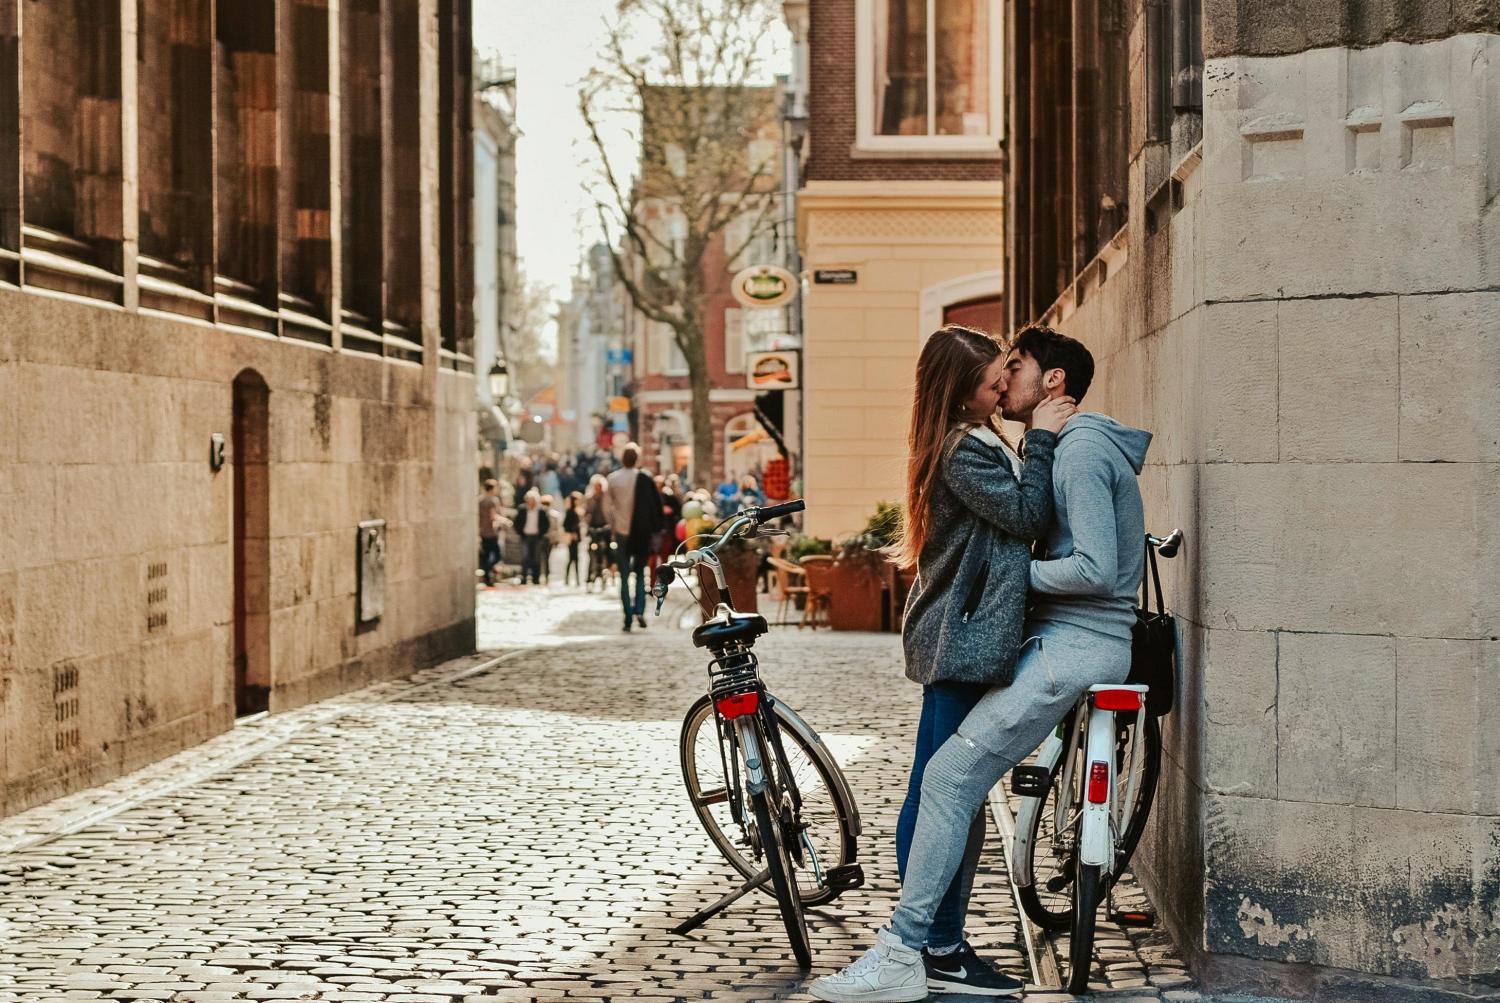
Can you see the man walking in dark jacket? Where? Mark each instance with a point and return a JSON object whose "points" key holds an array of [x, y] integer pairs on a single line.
{"points": [[633, 507], [533, 523]]}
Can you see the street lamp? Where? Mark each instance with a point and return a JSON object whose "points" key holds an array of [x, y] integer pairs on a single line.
{"points": [[499, 377]]}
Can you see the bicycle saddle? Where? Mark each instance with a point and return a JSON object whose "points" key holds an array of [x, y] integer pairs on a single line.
{"points": [[729, 628]]}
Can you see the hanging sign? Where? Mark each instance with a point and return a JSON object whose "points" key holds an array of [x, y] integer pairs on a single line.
{"points": [[764, 286], [773, 370]]}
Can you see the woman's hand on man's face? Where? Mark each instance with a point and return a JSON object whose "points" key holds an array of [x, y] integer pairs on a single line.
{"points": [[1053, 413]]}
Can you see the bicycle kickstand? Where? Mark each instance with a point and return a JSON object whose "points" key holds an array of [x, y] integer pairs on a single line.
{"points": [[704, 915]]}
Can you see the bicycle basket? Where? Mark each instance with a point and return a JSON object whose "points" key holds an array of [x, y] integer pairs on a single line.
{"points": [[1153, 645]]}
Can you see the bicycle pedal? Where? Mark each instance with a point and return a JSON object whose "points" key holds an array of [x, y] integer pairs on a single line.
{"points": [[845, 878], [1058, 882], [1134, 917], [1030, 781]]}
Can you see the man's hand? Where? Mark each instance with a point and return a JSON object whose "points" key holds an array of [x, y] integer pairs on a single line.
{"points": [[1053, 413]]}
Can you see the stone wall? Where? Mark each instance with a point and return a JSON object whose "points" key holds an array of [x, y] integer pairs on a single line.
{"points": [[116, 556], [1314, 337]]}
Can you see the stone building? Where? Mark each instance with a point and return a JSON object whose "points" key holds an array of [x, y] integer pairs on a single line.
{"points": [[496, 262], [1275, 226], [236, 426], [899, 221]]}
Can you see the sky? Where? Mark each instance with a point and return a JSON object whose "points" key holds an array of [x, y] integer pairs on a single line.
{"points": [[551, 45]]}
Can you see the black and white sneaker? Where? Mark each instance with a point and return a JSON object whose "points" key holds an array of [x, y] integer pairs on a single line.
{"points": [[965, 972]]}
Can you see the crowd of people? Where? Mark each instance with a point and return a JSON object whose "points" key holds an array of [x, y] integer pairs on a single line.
{"points": [[615, 518]]}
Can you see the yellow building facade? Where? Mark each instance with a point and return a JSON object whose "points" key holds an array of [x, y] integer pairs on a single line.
{"points": [[886, 263]]}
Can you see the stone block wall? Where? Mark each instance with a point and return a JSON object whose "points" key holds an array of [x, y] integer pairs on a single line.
{"points": [[116, 557], [1314, 337]]}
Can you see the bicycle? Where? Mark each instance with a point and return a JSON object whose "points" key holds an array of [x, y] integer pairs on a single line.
{"points": [[766, 789], [1084, 807]]}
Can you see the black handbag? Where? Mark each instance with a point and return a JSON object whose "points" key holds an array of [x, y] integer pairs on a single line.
{"points": [[1153, 645]]}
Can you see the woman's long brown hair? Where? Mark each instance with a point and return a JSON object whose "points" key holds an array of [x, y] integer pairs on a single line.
{"points": [[948, 372]]}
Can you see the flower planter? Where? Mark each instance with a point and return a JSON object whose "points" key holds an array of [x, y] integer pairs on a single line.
{"points": [[858, 591], [740, 569]]}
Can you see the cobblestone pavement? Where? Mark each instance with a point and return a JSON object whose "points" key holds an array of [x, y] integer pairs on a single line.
{"points": [[505, 828]]}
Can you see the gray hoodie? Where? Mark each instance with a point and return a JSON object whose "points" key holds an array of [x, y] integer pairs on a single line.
{"points": [[1093, 559]]}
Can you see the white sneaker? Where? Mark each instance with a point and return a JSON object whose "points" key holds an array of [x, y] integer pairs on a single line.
{"points": [[890, 972]]}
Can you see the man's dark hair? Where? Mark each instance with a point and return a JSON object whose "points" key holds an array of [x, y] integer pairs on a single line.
{"points": [[1058, 351]]}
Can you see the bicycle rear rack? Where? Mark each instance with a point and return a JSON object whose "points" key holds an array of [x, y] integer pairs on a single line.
{"points": [[733, 672]]}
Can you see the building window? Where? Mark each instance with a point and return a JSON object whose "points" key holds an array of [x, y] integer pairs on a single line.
{"points": [[175, 85], [928, 75], [363, 195], [403, 265], [306, 158], [247, 195], [71, 160]]}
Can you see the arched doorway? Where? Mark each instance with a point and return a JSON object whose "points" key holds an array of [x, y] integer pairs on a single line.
{"points": [[251, 445], [975, 300]]}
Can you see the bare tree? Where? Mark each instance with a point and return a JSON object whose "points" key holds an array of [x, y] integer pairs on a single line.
{"points": [[533, 363], [700, 170]]}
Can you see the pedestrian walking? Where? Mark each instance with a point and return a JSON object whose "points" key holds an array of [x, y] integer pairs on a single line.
{"points": [[600, 538], [572, 532], [489, 531], [973, 509], [553, 537], [633, 507], [534, 524]]}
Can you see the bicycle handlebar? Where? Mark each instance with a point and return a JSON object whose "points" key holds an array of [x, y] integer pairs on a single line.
{"points": [[1166, 546], [693, 558]]}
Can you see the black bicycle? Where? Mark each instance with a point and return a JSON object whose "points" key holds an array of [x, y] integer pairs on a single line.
{"points": [[766, 788]]}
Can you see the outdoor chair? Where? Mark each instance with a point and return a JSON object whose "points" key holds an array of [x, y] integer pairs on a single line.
{"points": [[788, 577], [819, 571]]}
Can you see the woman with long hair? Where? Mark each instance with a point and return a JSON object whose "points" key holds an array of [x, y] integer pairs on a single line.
{"points": [[973, 508]]}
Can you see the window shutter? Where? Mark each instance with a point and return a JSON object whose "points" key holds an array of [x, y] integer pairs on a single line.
{"points": [[734, 340]]}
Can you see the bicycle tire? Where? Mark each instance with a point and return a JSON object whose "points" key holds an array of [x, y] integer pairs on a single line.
{"points": [[1145, 797], [783, 879], [1087, 887], [1050, 910], [825, 809]]}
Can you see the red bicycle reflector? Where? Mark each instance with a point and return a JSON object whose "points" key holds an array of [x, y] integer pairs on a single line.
{"points": [[1098, 782], [1117, 700], [739, 704]]}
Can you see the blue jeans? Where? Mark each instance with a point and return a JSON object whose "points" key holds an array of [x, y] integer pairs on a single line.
{"points": [[489, 556], [944, 707], [1057, 662], [633, 564]]}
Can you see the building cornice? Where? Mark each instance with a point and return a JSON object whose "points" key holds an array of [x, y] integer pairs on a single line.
{"points": [[986, 196]]}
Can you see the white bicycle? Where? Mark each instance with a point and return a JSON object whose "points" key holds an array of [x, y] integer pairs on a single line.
{"points": [[1084, 806]]}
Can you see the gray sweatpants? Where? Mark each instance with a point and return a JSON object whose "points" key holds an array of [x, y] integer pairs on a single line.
{"points": [[1057, 663]]}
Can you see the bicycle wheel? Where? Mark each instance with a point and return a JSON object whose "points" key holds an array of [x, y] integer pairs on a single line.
{"points": [[783, 879], [1086, 895], [1048, 900], [827, 839], [1148, 770]]}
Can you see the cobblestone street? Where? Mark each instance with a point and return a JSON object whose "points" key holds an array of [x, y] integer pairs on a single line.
{"points": [[508, 827]]}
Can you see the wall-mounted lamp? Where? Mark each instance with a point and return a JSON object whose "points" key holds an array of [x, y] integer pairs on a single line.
{"points": [[216, 451], [499, 377]]}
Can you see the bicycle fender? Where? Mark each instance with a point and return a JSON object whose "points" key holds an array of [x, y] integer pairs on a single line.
{"points": [[792, 719], [751, 750], [1096, 841]]}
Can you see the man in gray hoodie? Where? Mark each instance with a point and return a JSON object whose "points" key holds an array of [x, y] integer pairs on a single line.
{"points": [[1078, 624]]}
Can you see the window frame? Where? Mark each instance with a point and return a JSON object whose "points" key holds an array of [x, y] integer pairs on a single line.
{"points": [[867, 141]]}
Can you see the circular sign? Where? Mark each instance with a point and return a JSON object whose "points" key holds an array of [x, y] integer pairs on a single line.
{"points": [[764, 286]]}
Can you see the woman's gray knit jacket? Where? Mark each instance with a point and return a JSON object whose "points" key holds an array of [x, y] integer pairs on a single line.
{"points": [[965, 611]]}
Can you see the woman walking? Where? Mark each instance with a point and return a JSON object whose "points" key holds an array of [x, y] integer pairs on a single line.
{"points": [[973, 507], [573, 529]]}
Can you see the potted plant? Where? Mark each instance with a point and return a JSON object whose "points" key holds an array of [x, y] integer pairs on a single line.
{"points": [[741, 562], [860, 573]]}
